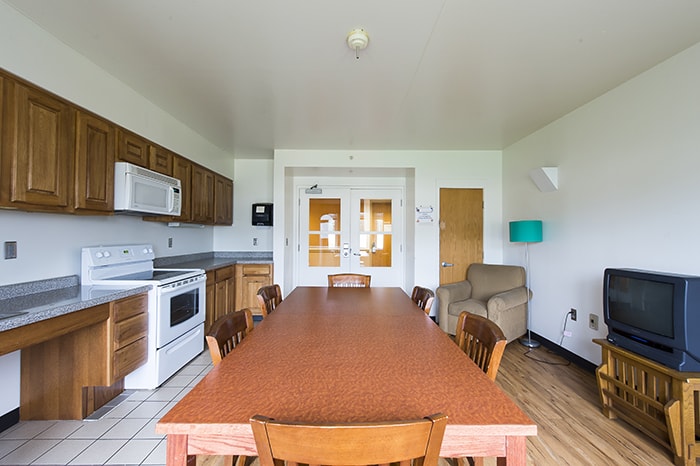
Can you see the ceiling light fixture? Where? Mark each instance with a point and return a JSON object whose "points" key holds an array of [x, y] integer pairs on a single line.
{"points": [[358, 40]]}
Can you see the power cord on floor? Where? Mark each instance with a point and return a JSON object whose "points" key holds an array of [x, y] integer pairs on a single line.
{"points": [[551, 363]]}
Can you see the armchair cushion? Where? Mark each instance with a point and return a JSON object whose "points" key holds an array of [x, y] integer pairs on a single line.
{"points": [[496, 292]]}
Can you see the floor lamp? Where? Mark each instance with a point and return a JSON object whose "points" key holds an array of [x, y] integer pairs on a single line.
{"points": [[527, 231]]}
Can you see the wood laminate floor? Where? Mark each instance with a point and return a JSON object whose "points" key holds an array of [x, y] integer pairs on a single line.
{"points": [[563, 401]]}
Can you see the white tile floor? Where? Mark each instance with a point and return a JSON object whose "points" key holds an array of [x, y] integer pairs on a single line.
{"points": [[122, 436]]}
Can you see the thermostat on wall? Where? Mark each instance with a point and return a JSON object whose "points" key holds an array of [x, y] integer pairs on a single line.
{"points": [[262, 214]]}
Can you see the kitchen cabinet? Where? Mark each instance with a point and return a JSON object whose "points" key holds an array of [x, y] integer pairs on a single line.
{"points": [[182, 170], [133, 148], [58, 157], [220, 294], [249, 279], [223, 201], [37, 150], [202, 195], [161, 160], [73, 364], [94, 164]]}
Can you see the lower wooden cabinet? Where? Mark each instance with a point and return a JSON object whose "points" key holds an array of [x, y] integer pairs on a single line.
{"points": [[234, 287], [220, 294], [249, 279], [76, 363]]}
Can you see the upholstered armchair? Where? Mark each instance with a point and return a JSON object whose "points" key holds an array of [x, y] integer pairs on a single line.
{"points": [[497, 292]]}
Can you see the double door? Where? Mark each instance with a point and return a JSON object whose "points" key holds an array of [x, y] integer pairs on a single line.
{"points": [[351, 230]]}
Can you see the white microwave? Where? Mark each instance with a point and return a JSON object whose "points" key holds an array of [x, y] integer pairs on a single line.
{"points": [[139, 190]]}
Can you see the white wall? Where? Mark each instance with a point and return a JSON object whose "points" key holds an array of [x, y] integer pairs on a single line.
{"points": [[49, 244], [628, 195], [430, 171], [252, 184]]}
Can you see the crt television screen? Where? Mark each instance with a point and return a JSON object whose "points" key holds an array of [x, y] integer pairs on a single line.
{"points": [[645, 304]]}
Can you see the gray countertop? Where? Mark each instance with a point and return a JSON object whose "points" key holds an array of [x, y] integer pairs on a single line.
{"points": [[26, 303]]}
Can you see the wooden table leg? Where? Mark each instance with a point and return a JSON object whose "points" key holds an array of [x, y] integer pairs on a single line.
{"points": [[176, 452], [516, 452]]}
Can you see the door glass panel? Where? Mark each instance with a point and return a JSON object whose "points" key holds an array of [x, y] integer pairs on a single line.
{"points": [[375, 232], [324, 233]]}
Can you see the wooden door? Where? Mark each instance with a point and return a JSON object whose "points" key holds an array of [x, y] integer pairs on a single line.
{"points": [[94, 163], [461, 232]]}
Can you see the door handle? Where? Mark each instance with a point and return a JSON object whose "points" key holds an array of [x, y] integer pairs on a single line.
{"points": [[447, 264]]}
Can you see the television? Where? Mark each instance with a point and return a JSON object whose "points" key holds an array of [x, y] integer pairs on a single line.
{"points": [[654, 314]]}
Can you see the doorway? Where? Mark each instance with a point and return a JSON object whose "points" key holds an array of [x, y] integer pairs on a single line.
{"points": [[461, 232], [351, 230]]}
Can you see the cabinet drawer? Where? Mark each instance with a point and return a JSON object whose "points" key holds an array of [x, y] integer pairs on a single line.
{"points": [[224, 273], [130, 330], [255, 269], [130, 357], [129, 307]]}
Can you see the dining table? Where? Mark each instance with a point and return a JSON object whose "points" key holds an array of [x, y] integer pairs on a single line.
{"points": [[344, 355]]}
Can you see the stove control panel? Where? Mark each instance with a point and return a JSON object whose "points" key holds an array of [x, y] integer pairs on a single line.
{"points": [[119, 254]]}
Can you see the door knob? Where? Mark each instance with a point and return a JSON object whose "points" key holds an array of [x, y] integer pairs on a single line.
{"points": [[447, 264]]}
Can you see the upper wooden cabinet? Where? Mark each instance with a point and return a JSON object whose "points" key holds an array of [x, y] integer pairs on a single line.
{"points": [[133, 148], [161, 160], [37, 152], [223, 201], [202, 195], [58, 157], [94, 163]]}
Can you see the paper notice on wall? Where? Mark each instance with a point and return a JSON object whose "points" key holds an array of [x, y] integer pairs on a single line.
{"points": [[424, 214]]}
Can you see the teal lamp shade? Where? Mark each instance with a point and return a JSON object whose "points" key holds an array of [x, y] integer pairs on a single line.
{"points": [[526, 231]]}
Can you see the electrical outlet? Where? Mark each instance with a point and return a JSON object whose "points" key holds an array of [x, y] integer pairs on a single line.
{"points": [[567, 333], [255, 241], [593, 321], [10, 249], [573, 313], [170, 242]]}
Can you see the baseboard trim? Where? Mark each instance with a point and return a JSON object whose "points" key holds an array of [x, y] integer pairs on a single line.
{"points": [[566, 354], [10, 419]]}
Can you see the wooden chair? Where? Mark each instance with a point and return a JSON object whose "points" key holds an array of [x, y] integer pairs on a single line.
{"points": [[482, 340], [343, 444], [269, 298], [228, 332], [352, 280], [423, 297]]}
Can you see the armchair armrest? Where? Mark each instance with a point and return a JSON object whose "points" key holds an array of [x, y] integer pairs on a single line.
{"points": [[507, 299], [451, 293]]}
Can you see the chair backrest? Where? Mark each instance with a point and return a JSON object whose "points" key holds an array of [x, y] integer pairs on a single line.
{"points": [[354, 280], [269, 297], [490, 279], [423, 297], [228, 332], [482, 340], [344, 444]]}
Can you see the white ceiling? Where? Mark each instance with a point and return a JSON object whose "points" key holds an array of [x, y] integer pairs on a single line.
{"points": [[252, 76]]}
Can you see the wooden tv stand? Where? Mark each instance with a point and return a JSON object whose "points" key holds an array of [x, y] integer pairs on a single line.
{"points": [[659, 401]]}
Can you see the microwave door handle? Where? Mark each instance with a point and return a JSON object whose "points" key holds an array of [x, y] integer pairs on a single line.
{"points": [[171, 202]]}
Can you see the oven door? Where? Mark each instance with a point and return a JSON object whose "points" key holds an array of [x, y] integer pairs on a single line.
{"points": [[180, 308]]}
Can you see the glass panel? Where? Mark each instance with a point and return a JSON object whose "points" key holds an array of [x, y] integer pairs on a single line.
{"points": [[375, 232], [324, 236]]}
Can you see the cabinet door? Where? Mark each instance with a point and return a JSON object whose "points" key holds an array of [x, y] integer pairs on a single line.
{"points": [[224, 297], [223, 201], [209, 316], [94, 163], [182, 170], [161, 160], [249, 279], [38, 163], [202, 195], [133, 148]]}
